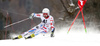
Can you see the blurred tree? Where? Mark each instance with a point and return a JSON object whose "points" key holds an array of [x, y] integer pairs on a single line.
{"points": [[2, 19], [5, 0], [2, 23]]}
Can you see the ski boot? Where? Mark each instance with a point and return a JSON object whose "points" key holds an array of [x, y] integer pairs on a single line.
{"points": [[31, 36], [20, 36]]}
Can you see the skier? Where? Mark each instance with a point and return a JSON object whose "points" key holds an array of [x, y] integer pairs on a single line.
{"points": [[47, 23]]}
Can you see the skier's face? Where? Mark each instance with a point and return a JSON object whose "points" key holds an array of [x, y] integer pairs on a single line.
{"points": [[45, 15]]}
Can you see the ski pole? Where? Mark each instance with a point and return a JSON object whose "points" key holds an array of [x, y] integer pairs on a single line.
{"points": [[83, 21], [16, 22], [73, 21]]}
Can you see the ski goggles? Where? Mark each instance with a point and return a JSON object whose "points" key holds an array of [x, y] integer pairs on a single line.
{"points": [[45, 13]]}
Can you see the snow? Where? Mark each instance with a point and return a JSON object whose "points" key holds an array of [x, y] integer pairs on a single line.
{"points": [[74, 38]]}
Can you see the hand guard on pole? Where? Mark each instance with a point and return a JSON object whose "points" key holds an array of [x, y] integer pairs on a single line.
{"points": [[31, 16]]}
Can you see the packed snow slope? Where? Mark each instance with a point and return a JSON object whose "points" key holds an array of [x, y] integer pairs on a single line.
{"points": [[79, 38]]}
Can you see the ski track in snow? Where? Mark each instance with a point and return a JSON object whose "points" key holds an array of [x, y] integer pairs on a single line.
{"points": [[79, 38]]}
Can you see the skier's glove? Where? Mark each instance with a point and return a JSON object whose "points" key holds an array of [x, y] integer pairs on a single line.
{"points": [[31, 16]]}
